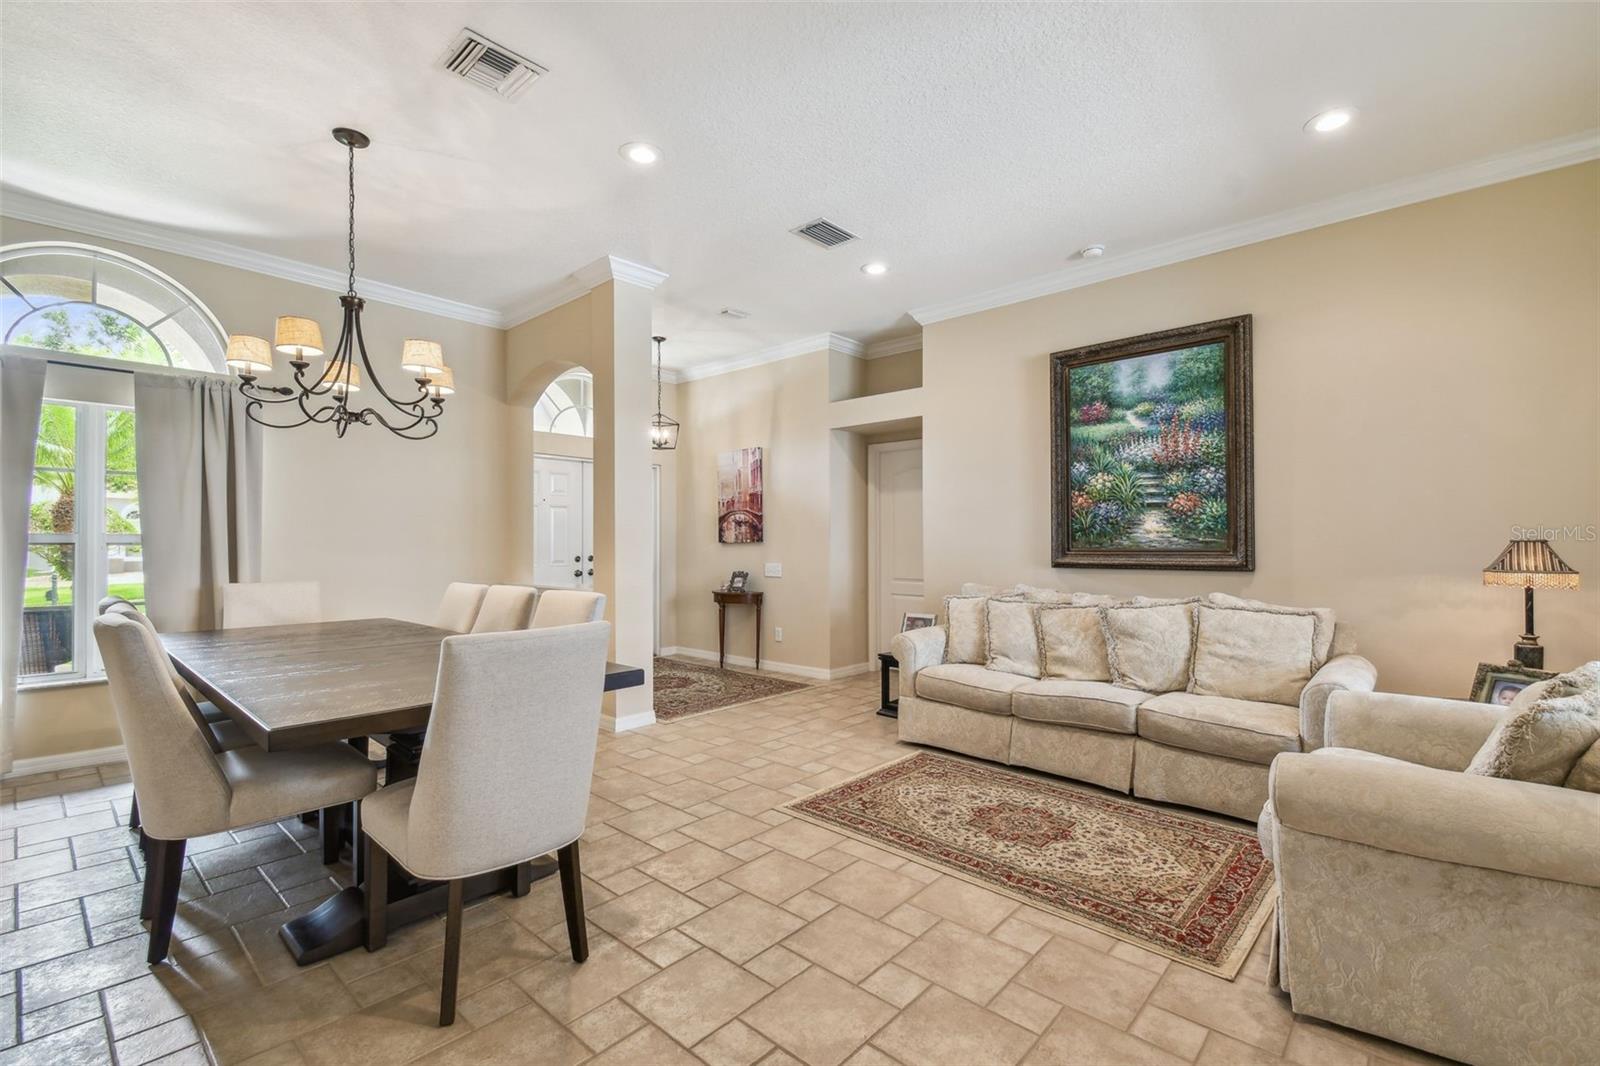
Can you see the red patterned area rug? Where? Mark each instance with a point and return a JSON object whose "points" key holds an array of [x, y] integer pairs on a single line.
{"points": [[683, 690], [1184, 886]]}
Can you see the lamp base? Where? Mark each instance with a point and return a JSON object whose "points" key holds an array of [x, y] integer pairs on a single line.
{"points": [[1529, 653]]}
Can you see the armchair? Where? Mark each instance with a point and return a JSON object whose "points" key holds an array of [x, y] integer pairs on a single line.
{"points": [[1454, 913]]}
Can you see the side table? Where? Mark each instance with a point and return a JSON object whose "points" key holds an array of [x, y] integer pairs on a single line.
{"points": [[723, 598]]}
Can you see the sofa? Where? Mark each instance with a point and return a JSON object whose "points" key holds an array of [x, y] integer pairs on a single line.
{"points": [[1426, 901], [1183, 701]]}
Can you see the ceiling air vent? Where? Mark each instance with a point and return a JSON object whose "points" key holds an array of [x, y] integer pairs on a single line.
{"points": [[825, 233], [480, 61]]}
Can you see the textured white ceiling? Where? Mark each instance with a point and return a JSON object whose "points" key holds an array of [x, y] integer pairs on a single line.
{"points": [[969, 145]]}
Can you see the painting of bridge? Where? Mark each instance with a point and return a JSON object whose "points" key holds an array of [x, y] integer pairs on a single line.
{"points": [[739, 497]]}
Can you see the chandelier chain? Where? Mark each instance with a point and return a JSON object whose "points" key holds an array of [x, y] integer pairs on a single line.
{"points": [[351, 246], [658, 379]]}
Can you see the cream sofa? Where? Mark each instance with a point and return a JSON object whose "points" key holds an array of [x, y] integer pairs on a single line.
{"points": [[1177, 746], [1448, 911]]}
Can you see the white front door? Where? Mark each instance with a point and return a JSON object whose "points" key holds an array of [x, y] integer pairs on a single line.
{"points": [[894, 493], [563, 524]]}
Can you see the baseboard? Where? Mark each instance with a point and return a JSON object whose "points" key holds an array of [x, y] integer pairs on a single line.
{"points": [[811, 673], [637, 720], [69, 760]]}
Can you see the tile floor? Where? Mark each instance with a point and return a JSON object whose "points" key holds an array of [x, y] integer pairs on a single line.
{"points": [[722, 931]]}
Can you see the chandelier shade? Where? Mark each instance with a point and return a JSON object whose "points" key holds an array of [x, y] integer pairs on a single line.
{"points": [[298, 338], [411, 412]]}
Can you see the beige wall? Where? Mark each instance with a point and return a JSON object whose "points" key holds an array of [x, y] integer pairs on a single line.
{"points": [[1425, 379], [384, 524], [891, 373]]}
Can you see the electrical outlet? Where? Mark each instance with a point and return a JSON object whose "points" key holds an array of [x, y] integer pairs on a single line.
{"points": [[774, 570], [777, 634]]}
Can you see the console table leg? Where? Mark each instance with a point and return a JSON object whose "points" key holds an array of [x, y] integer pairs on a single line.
{"points": [[758, 634], [722, 636]]}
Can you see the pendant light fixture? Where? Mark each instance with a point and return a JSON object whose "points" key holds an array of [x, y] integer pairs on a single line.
{"points": [[663, 430], [328, 398]]}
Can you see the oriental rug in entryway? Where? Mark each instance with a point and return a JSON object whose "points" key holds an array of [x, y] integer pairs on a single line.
{"points": [[685, 689], [1181, 885]]}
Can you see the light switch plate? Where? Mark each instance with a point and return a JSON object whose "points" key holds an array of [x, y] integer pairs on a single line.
{"points": [[774, 570]]}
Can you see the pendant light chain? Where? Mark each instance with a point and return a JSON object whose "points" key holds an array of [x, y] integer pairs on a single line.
{"points": [[352, 232], [658, 379]]}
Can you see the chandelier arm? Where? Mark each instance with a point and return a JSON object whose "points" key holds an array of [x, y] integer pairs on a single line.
{"points": [[372, 376], [405, 431], [253, 414]]}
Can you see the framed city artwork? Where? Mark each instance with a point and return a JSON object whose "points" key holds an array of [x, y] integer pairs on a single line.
{"points": [[1151, 464], [739, 497]]}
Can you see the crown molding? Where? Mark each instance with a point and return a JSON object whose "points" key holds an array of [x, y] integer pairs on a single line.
{"points": [[777, 353], [585, 279], [893, 346], [27, 207], [1535, 159]]}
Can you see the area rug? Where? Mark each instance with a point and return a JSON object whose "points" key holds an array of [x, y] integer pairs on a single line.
{"points": [[683, 690], [1180, 885]]}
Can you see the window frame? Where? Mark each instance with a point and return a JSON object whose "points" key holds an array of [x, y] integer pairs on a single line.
{"points": [[562, 401], [90, 541]]}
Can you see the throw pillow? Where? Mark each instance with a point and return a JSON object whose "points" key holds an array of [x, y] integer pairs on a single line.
{"points": [[1586, 772], [966, 629], [1038, 594], [1149, 646], [1093, 599], [1071, 644], [1326, 620], [1014, 636], [1249, 654], [1543, 740]]}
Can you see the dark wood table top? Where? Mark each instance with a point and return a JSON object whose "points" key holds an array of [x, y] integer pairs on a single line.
{"points": [[726, 596], [294, 686]]}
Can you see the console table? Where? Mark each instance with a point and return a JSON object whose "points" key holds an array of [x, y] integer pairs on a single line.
{"points": [[723, 599]]}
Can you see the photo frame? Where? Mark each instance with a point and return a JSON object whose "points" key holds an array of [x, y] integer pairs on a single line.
{"points": [[739, 581], [1500, 683], [916, 620], [1151, 451]]}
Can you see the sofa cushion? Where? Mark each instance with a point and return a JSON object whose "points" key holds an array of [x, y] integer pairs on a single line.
{"points": [[966, 629], [1327, 622], [1239, 729], [1072, 643], [1148, 646], [1040, 594], [1087, 704], [1545, 734], [1246, 653], [969, 685], [1013, 636]]}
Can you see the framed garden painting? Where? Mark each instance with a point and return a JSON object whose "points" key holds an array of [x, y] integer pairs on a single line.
{"points": [[1151, 451]]}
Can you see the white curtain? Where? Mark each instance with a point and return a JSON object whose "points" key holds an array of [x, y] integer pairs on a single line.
{"points": [[21, 393], [199, 496]]}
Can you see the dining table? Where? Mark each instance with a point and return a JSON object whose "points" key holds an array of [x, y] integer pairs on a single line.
{"points": [[355, 681]]}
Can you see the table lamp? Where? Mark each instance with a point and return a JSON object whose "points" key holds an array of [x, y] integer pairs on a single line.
{"points": [[1530, 564]]}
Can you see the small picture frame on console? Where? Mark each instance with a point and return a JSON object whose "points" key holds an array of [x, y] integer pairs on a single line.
{"points": [[738, 582], [1500, 683], [916, 620]]}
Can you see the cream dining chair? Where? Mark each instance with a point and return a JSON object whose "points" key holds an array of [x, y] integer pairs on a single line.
{"points": [[271, 603], [458, 610], [504, 703], [189, 790], [505, 607], [567, 607]]}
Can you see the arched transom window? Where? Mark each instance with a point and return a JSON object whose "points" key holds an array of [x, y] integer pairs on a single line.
{"points": [[567, 406], [90, 301]]}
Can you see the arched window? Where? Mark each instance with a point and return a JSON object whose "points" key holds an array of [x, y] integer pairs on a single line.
{"points": [[91, 301], [567, 406]]}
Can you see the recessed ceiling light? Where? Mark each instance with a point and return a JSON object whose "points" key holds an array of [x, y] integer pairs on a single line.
{"points": [[1094, 251], [1336, 118], [875, 269], [645, 155]]}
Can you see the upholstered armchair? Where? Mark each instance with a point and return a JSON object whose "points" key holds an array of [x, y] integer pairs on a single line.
{"points": [[1451, 912]]}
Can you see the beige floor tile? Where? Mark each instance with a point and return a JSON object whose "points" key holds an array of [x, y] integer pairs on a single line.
{"points": [[808, 905], [944, 1028], [735, 1044], [1222, 1050], [799, 838], [775, 876], [895, 985], [692, 864], [1313, 1044], [1075, 1039], [487, 1004], [694, 997], [1019, 934], [725, 829], [394, 1030], [244, 1026], [1089, 981], [964, 903], [651, 821], [742, 927], [606, 1024], [848, 943], [669, 947], [1166, 1030], [870, 889], [776, 965], [647, 1047], [1025, 1007], [643, 913], [962, 961], [489, 954], [569, 989], [818, 1017], [1244, 1009], [527, 1035]]}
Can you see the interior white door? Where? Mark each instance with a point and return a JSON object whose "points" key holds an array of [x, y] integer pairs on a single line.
{"points": [[562, 527], [895, 489]]}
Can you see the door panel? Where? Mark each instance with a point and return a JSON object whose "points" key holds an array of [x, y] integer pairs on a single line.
{"points": [[897, 566], [560, 521]]}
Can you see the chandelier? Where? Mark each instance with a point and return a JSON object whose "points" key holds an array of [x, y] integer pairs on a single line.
{"points": [[328, 399], [663, 430]]}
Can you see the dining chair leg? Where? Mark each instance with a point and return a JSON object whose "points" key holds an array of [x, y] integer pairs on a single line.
{"points": [[330, 828], [133, 813], [358, 843], [152, 878], [169, 868], [452, 953], [376, 891], [522, 881], [572, 899]]}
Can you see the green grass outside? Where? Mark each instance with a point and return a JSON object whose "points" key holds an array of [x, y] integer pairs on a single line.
{"points": [[34, 596]]}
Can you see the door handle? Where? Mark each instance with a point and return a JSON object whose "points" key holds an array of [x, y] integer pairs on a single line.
{"points": [[591, 558], [577, 573], [577, 558], [591, 571]]}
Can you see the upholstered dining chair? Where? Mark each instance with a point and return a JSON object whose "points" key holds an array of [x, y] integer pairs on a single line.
{"points": [[271, 603], [503, 778], [504, 608], [458, 610], [567, 607], [189, 790]]}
